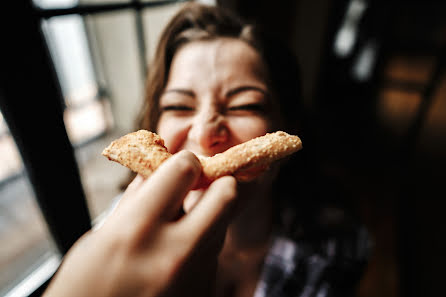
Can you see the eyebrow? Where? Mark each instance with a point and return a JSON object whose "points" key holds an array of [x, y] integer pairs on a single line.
{"points": [[180, 91], [229, 93], [241, 89]]}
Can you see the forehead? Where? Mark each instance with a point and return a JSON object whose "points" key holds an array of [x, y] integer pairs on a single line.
{"points": [[223, 58]]}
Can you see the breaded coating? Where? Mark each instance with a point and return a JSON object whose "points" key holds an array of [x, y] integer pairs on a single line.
{"points": [[144, 151], [247, 159], [141, 151]]}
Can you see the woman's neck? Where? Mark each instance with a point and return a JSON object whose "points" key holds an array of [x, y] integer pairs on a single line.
{"points": [[251, 229], [246, 245]]}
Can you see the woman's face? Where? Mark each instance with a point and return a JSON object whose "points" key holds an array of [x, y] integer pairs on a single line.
{"points": [[216, 97]]}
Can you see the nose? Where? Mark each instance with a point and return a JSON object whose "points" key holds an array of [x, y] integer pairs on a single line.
{"points": [[209, 131]]}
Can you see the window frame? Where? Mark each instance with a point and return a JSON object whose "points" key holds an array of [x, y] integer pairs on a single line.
{"points": [[29, 88]]}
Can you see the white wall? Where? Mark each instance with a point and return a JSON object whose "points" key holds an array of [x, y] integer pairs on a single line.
{"points": [[114, 40]]}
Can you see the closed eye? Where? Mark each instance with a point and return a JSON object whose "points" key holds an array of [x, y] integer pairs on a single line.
{"points": [[176, 108], [248, 107]]}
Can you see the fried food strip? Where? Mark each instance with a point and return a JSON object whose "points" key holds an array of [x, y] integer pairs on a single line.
{"points": [[144, 151], [247, 160], [141, 151]]}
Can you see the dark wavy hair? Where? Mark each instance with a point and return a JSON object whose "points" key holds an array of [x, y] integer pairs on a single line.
{"points": [[197, 22]]}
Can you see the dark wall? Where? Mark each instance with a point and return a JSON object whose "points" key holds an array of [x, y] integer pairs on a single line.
{"points": [[383, 136]]}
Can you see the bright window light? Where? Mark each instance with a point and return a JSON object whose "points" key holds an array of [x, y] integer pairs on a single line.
{"points": [[69, 48], [346, 36], [55, 3], [363, 66]]}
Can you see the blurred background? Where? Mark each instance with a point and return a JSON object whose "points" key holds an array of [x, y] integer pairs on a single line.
{"points": [[374, 88]]}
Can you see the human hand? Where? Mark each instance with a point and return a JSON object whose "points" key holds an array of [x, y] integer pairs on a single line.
{"points": [[145, 248]]}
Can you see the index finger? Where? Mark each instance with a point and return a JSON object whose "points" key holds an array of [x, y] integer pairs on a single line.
{"points": [[214, 209], [161, 196]]}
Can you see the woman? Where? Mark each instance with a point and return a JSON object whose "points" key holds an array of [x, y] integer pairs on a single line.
{"points": [[215, 83]]}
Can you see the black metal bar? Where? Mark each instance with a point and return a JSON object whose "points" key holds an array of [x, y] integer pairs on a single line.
{"points": [[97, 61], [84, 9], [30, 102], [50, 41], [140, 37], [94, 63], [434, 82]]}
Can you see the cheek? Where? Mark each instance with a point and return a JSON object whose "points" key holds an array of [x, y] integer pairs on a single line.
{"points": [[246, 128], [173, 131]]}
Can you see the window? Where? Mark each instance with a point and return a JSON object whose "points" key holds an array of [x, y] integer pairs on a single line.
{"points": [[98, 49], [9, 156], [26, 242]]}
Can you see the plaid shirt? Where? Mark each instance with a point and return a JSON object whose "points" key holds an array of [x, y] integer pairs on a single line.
{"points": [[329, 268]]}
